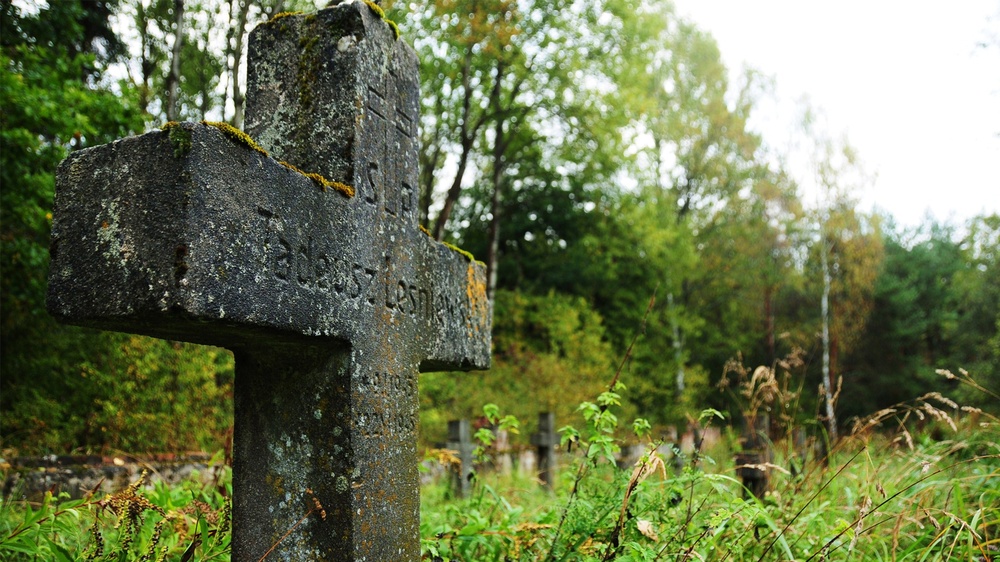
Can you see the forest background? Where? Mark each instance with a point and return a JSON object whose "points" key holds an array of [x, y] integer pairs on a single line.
{"points": [[593, 154]]}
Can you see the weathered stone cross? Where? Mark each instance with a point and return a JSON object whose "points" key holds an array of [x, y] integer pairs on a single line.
{"points": [[332, 301]]}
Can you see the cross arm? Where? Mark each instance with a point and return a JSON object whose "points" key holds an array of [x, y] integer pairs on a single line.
{"points": [[191, 236]]}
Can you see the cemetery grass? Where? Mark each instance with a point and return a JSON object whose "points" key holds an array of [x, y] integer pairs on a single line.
{"points": [[886, 495], [932, 495]]}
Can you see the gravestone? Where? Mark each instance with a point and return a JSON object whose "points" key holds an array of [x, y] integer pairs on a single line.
{"points": [[546, 440], [755, 454], [332, 300], [460, 441]]}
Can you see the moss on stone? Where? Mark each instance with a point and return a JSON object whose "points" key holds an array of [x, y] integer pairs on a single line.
{"points": [[322, 182], [376, 8], [392, 26], [335, 185], [236, 135], [280, 15], [460, 251], [381, 14], [291, 167], [180, 138], [309, 66]]}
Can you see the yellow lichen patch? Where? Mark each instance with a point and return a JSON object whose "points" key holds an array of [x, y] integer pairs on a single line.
{"points": [[236, 135], [169, 125], [321, 181], [280, 15], [479, 304]]}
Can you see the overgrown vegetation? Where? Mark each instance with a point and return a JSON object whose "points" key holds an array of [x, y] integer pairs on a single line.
{"points": [[918, 481], [190, 521], [594, 198], [889, 491]]}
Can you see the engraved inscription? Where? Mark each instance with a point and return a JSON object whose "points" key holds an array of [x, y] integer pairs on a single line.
{"points": [[407, 298], [283, 260], [312, 264], [362, 278], [374, 182], [380, 390], [309, 265], [404, 123], [390, 201], [406, 200], [376, 102], [391, 190]]}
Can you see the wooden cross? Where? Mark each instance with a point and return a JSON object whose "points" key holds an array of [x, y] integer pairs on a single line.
{"points": [[307, 263]]}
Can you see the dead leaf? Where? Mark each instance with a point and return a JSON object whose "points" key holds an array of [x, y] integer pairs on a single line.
{"points": [[646, 528]]}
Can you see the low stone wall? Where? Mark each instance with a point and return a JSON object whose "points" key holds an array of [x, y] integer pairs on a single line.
{"points": [[30, 477]]}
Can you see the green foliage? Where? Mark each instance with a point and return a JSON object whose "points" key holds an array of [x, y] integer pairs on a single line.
{"points": [[548, 354], [883, 499], [929, 495], [936, 305], [611, 178], [49, 106], [66, 388], [189, 521], [127, 393], [485, 436]]}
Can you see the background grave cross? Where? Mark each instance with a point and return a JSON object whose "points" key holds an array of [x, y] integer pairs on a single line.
{"points": [[331, 303]]}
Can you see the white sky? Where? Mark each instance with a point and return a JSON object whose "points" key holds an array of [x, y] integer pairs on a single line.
{"points": [[906, 82]]}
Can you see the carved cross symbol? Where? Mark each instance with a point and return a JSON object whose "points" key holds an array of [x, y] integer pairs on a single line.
{"points": [[331, 303]]}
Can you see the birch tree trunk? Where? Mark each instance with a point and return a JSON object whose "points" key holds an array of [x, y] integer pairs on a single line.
{"points": [[500, 141], [831, 419], [236, 56], [174, 78], [678, 345]]}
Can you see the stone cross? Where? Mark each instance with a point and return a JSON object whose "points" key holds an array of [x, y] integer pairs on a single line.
{"points": [[460, 441], [307, 263], [546, 440], [751, 461]]}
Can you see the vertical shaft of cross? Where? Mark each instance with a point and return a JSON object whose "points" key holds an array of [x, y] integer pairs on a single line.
{"points": [[286, 398], [546, 440], [322, 460], [350, 115]]}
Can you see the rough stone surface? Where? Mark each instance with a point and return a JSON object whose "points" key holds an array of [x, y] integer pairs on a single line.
{"points": [[331, 304]]}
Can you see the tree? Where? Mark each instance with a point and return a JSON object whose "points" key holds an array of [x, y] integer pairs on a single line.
{"points": [[975, 289], [912, 322], [702, 156], [55, 98], [556, 339], [515, 100], [850, 251]]}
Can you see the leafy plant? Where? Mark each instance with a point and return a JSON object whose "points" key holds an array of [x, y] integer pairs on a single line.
{"points": [[189, 521], [894, 493]]}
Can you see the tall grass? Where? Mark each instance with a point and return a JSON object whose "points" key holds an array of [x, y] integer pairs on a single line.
{"points": [[919, 481]]}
